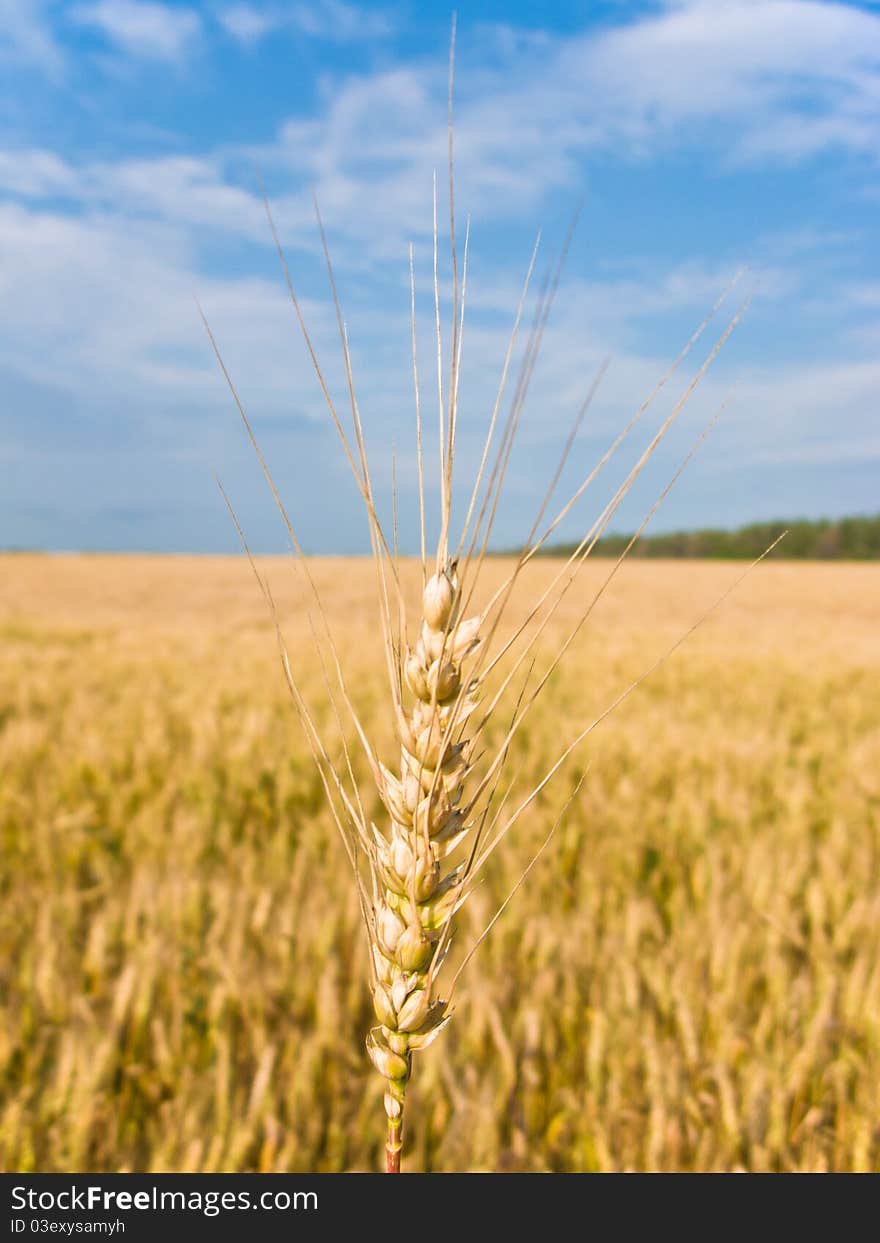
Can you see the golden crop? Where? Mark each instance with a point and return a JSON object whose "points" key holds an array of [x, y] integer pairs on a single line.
{"points": [[690, 978]]}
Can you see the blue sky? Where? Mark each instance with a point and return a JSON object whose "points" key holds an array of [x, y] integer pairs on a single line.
{"points": [[700, 136]]}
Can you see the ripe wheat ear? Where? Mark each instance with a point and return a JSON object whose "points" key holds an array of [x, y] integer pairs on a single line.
{"points": [[444, 819]]}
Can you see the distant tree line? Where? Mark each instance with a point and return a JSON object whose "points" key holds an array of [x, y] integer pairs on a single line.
{"points": [[838, 539]]}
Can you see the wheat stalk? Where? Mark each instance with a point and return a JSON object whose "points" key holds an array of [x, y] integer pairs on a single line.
{"points": [[414, 872]]}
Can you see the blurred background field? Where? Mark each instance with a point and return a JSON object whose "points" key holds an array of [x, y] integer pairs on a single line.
{"points": [[690, 978]]}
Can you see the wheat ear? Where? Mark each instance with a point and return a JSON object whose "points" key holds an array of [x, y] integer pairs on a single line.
{"points": [[415, 872], [421, 891]]}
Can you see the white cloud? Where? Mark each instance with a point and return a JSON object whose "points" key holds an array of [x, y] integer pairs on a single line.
{"points": [[822, 411], [181, 191], [141, 28], [26, 37], [865, 295], [37, 174], [113, 308], [331, 20], [780, 78], [247, 23]]}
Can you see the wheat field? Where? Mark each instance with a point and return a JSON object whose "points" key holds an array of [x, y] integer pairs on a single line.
{"points": [[690, 978]]}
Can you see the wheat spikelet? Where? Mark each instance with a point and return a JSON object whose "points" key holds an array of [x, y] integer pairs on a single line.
{"points": [[414, 872]]}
